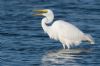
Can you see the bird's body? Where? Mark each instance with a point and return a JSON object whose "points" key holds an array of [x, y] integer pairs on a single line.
{"points": [[65, 32]]}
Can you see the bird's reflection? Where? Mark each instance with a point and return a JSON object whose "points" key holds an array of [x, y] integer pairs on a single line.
{"points": [[65, 57]]}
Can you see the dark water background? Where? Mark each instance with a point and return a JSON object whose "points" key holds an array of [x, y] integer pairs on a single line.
{"points": [[23, 42]]}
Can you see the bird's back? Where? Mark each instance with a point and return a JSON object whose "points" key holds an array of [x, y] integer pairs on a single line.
{"points": [[65, 31]]}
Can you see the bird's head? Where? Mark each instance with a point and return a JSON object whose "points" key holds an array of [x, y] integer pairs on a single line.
{"points": [[44, 12]]}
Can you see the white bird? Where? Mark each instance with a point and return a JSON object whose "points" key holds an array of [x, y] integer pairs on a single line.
{"points": [[63, 31]]}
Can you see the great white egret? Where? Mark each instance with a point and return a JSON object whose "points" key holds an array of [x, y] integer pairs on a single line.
{"points": [[63, 31]]}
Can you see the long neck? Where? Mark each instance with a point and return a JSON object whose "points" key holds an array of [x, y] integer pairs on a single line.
{"points": [[45, 21]]}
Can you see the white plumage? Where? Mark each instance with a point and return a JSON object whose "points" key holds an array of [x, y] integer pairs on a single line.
{"points": [[65, 32]]}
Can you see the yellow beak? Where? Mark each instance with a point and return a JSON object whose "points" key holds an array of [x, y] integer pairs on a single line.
{"points": [[40, 11]]}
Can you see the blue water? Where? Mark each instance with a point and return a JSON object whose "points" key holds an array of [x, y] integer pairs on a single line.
{"points": [[23, 42]]}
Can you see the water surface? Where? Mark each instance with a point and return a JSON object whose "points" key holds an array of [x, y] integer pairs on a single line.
{"points": [[23, 42]]}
